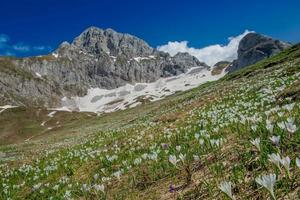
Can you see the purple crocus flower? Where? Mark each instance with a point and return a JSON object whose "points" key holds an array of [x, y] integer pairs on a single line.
{"points": [[171, 189], [164, 146]]}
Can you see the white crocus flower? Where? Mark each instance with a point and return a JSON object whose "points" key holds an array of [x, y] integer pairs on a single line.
{"points": [[196, 157], [275, 139], [96, 176], [226, 188], [256, 143], [289, 107], [269, 126], [286, 161], [182, 157], [254, 127], [275, 158], [268, 182], [37, 186], [173, 159], [291, 120], [201, 141], [298, 162], [291, 127], [137, 161], [280, 114], [281, 125], [99, 188]]}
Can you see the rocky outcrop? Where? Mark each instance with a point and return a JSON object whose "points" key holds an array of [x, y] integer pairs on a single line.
{"points": [[219, 67], [96, 58], [255, 47]]}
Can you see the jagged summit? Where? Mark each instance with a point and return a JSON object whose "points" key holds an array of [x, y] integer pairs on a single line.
{"points": [[96, 41]]}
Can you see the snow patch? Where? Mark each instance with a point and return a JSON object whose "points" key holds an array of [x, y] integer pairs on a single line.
{"points": [[55, 55], [102, 100], [138, 59], [43, 123], [38, 74], [51, 114], [6, 107]]}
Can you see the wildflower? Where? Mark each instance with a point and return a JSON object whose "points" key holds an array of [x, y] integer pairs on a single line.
{"points": [[117, 174], [298, 162], [281, 125], [137, 161], [173, 159], [276, 159], [256, 143], [171, 189], [268, 182], [67, 194], [289, 107], [201, 141], [85, 187], [291, 127], [269, 126], [96, 176], [215, 142], [178, 148], [164, 146], [226, 188], [37, 186], [275, 139], [182, 157], [99, 188], [55, 187], [291, 120], [286, 161], [254, 127], [196, 157], [280, 114]]}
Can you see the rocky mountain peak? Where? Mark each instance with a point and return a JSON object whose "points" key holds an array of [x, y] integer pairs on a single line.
{"points": [[97, 58], [188, 59], [97, 41], [255, 47]]}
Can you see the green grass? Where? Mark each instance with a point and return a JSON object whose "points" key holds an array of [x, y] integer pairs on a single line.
{"points": [[189, 142]]}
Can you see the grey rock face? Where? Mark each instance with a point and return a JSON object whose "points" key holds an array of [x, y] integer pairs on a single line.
{"points": [[96, 58], [219, 67], [255, 47], [97, 41]]}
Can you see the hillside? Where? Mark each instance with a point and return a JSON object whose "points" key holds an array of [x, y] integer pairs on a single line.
{"points": [[223, 134]]}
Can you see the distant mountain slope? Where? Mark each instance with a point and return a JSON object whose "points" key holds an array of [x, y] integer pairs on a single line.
{"points": [[106, 60], [255, 47], [95, 59]]}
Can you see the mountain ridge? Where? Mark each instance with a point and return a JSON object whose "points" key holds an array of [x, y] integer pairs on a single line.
{"points": [[106, 59], [97, 58]]}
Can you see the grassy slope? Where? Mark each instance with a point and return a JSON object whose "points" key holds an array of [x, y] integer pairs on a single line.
{"points": [[208, 129]]}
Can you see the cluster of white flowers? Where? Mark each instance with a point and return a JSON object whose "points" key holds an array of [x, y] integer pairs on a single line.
{"points": [[250, 107]]}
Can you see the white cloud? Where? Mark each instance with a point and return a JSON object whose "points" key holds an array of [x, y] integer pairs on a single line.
{"points": [[8, 49], [42, 48], [3, 38], [210, 54], [21, 47], [7, 53]]}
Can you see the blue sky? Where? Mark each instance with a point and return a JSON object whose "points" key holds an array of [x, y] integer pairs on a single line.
{"points": [[34, 27]]}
